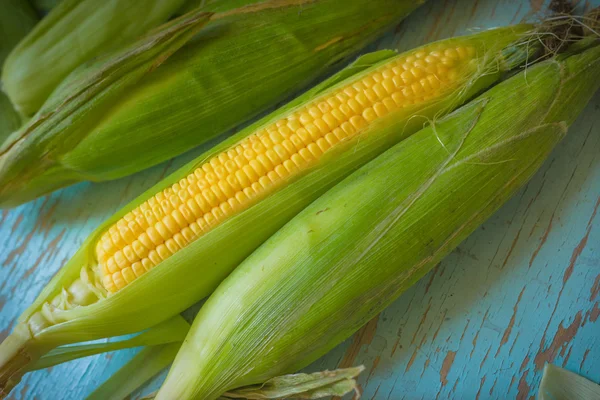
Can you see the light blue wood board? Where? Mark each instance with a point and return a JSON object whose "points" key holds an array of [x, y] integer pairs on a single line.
{"points": [[523, 290]]}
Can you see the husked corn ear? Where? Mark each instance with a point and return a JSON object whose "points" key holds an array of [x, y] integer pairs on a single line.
{"points": [[237, 178], [355, 249]]}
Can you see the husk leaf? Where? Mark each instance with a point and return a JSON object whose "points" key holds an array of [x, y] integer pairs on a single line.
{"points": [[560, 384], [75, 31]]}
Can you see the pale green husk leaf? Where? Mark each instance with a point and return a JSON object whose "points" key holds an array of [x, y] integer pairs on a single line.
{"points": [[560, 384]]}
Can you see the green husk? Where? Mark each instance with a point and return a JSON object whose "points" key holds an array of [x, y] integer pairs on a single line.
{"points": [[16, 20], [43, 7], [349, 254], [302, 386], [140, 369], [169, 332], [560, 384], [71, 34], [244, 61], [180, 281]]}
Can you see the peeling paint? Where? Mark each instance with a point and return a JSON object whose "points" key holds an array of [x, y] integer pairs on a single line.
{"points": [[562, 337], [446, 366]]}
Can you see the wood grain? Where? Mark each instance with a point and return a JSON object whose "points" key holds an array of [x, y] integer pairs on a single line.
{"points": [[522, 291]]}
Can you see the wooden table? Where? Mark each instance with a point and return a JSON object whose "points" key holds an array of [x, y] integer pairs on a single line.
{"points": [[522, 291]]}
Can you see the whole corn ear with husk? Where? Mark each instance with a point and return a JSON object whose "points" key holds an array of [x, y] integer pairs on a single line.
{"points": [[353, 251], [244, 61], [16, 20], [175, 243], [71, 34]]}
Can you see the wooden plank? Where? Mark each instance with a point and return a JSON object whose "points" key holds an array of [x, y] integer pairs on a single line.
{"points": [[521, 291]]}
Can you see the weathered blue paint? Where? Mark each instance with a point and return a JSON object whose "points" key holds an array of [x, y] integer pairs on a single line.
{"points": [[521, 291]]}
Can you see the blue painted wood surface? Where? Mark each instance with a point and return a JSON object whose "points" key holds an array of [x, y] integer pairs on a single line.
{"points": [[521, 291]]}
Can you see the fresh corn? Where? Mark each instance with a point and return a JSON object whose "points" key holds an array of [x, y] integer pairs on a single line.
{"points": [[244, 61], [16, 20], [349, 254], [131, 271], [71, 34]]}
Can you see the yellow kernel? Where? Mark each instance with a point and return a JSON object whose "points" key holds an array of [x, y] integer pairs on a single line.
{"points": [[281, 171], [333, 102], [369, 114], [305, 119], [355, 106], [421, 64], [188, 234], [377, 77], [290, 166], [389, 103], [398, 98], [447, 61], [138, 269], [313, 131], [339, 133], [380, 109], [434, 82], [294, 125], [147, 264], [348, 128], [112, 266], [128, 275], [289, 147], [172, 246], [314, 150], [345, 108], [430, 59], [264, 160], [358, 122], [257, 167], [304, 136], [324, 107], [417, 72], [163, 252], [314, 112], [389, 85], [368, 81], [379, 91], [350, 91], [331, 139], [407, 77], [118, 280], [145, 240], [305, 154], [338, 115], [371, 95], [323, 145], [451, 53], [362, 99]]}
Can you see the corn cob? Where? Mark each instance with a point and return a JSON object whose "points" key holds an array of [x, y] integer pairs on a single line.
{"points": [[71, 34], [243, 62], [349, 254], [16, 20], [127, 276]]}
